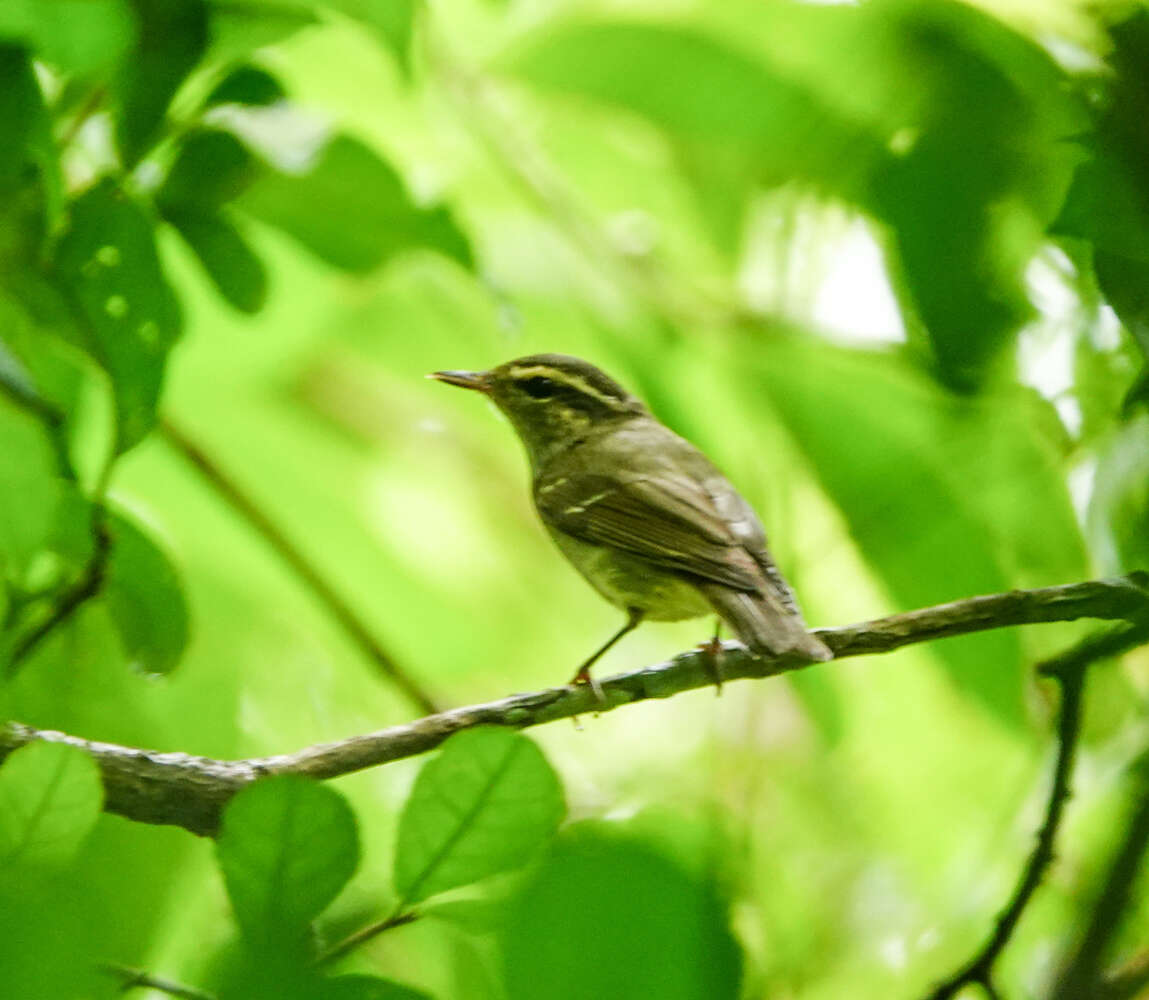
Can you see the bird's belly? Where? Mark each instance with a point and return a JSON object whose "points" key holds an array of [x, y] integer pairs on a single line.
{"points": [[630, 582]]}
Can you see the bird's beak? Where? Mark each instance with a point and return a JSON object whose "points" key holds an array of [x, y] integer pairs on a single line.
{"points": [[466, 380]]}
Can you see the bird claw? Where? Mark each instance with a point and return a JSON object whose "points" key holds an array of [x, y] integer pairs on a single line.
{"points": [[584, 677], [715, 652]]}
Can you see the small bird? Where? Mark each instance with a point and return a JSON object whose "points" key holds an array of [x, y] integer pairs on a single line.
{"points": [[650, 522]]}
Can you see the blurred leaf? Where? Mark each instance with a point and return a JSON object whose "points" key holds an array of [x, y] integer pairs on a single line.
{"points": [[212, 167], [352, 210], [962, 475], [249, 85], [145, 598], [1118, 515], [392, 20], [485, 804], [76, 36], [360, 987], [50, 798], [608, 916], [108, 263], [239, 27], [45, 538], [286, 847], [21, 112], [724, 109], [229, 260], [173, 38]]}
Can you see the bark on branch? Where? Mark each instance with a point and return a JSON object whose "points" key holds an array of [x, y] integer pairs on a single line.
{"points": [[179, 789]]}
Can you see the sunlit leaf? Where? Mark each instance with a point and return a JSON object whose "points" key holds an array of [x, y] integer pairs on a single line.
{"points": [[484, 805], [286, 847], [145, 598], [77, 36], [361, 987], [107, 262], [392, 20], [352, 210], [50, 798], [608, 916]]}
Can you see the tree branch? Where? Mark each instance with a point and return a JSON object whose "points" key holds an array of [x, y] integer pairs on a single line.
{"points": [[1069, 671], [176, 788], [351, 624], [131, 979]]}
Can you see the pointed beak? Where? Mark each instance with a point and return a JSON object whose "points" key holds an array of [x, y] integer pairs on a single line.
{"points": [[466, 380]]}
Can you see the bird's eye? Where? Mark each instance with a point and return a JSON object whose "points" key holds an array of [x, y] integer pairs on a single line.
{"points": [[538, 387]]}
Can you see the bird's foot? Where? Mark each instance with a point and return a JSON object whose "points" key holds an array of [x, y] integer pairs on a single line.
{"points": [[715, 652], [584, 677]]}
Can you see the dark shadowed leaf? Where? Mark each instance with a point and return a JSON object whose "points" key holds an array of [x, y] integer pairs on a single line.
{"points": [[212, 167], [173, 37], [145, 599], [352, 210], [485, 804], [229, 260], [608, 916], [108, 265], [361, 987], [249, 85], [286, 847], [50, 798]]}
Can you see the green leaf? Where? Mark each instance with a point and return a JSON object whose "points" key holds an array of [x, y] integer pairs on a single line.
{"points": [[173, 38], [360, 987], [232, 265], [484, 805], [286, 847], [50, 798], [108, 265], [963, 474], [239, 27], [610, 916], [248, 85], [77, 36], [145, 599], [392, 20], [1118, 516], [352, 210], [212, 168], [45, 538]]}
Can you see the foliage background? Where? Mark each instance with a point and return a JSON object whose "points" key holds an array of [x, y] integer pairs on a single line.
{"points": [[884, 262]]}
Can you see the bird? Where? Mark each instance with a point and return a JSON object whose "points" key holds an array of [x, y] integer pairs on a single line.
{"points": [[639, 511]]}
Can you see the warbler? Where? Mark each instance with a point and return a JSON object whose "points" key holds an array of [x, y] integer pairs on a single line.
{"points": [[650, 522]]}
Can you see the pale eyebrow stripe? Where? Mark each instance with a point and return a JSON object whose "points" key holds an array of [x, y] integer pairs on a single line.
{"points": [[576, 380]]}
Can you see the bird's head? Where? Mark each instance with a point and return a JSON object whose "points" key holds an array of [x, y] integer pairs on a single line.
{"points": [[552, 400]]}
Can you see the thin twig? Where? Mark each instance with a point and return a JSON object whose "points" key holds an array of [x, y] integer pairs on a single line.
{"points": [[1069, 670], [397, 919], [153, 787], [51, 416], [1082, 977], [131, 979], [336, 606], [70, 601]]}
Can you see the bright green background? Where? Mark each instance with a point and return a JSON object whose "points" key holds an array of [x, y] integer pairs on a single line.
{"points": [[677, 192]]}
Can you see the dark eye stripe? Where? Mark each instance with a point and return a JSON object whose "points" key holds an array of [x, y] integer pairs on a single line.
{"points": [[538, 387]]}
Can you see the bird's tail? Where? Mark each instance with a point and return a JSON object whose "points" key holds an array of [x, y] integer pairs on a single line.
{"points": [[764, 623]]}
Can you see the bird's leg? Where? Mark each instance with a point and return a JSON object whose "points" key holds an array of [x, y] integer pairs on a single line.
{"points": [[582, 675], [713, 649]]}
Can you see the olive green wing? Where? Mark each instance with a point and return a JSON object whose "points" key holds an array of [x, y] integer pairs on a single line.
{"points": [[669, 521]]}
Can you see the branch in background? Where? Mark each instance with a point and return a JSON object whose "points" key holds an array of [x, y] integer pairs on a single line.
{"points": [[1068, 670], [348, 620], [138, 979], [53, 418], [179, 789], [1082, 977], [70, 600], [400, 918]]}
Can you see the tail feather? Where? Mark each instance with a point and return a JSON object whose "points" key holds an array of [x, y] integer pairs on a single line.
{"points": [[764, 623]]}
